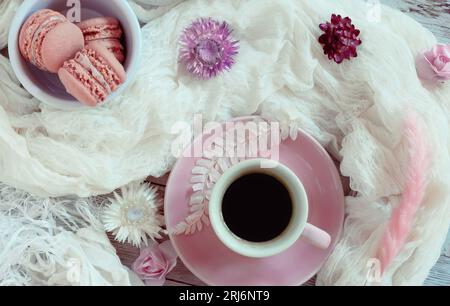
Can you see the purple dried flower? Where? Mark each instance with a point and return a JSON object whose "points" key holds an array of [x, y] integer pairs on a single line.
{"points": [[207, 48], [340, 39]]}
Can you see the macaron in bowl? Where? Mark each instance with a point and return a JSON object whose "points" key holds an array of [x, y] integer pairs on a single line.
{"points": [[48, 39], [114, 46], [46, 86], [107, 31], [92, 75]]}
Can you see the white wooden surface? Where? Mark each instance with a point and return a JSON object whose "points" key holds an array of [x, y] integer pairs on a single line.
{"points": [[433, 14]]}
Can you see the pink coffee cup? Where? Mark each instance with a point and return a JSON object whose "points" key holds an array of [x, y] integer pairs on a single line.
{"points": [[298, 228]]}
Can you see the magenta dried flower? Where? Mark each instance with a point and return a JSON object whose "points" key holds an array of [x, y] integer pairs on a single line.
{"points": [[340, 39], [207, 48]]}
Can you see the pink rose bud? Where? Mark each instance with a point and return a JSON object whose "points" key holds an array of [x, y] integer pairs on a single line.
{"points": [[155, 262]]}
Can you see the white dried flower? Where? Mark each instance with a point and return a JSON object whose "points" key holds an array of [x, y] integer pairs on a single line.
{"points": [[135, 215]]}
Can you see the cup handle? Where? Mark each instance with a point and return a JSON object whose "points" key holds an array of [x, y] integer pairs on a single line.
{"points": [[316, 236]]}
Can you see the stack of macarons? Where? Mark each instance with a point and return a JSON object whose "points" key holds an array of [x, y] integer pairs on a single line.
{"points": [[87, 56]]}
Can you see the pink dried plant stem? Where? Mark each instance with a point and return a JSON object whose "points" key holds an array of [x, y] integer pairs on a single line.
{"points": [[402, 220]]}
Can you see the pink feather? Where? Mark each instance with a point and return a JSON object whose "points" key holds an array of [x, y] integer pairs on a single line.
{"points": [[403, 216]]}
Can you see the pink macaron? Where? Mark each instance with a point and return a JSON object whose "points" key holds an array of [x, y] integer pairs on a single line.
{"points": [[106, 30], [47, 39], [114, 46], [92, 75]]}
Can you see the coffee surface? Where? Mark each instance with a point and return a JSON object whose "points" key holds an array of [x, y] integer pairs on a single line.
{"points": [[257, 207]]}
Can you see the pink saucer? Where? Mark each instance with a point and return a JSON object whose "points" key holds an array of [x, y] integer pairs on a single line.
{"points": [[216, 265]]}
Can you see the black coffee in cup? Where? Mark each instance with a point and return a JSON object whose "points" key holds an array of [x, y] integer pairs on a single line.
{"points": [[257, 207]]}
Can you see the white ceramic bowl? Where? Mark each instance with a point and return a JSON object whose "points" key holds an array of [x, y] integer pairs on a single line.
{"points": [[46, 86]]}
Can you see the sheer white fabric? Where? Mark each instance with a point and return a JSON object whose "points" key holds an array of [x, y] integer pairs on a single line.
{"points": [[55, 242]]}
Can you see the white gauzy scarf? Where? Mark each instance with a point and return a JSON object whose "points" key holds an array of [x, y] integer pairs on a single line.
{"points": [[55, 242], [355, 110]]}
